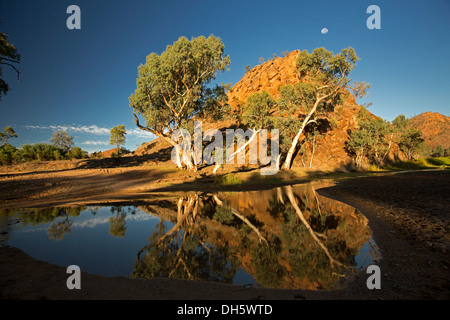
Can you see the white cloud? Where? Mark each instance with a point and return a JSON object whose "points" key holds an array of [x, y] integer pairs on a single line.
{"points": [[95, 143], [138, 133], [92, 129]]}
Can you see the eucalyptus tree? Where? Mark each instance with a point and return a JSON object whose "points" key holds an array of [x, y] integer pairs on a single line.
{"points": [[324, 82], [408, 138], [372, 139], [60, 139], [258, 114], [117, 137], [7, 134], [172, 88]]}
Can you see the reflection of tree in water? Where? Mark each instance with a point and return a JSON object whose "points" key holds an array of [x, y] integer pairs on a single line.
{"points": [[286, 237], [117, 226], [313, 240], [60, 222], [310, 246], [182, 251], [58, 229], [39, 216]]}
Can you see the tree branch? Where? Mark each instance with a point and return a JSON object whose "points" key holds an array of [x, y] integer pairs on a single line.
{"points": [[8, 64]]}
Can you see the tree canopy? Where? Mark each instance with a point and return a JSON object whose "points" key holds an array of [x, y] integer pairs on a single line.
{"points": [[7, 134], [372, 139], [118, 136], [172, 87], [408, 138], [324, 80], [60, 139]]}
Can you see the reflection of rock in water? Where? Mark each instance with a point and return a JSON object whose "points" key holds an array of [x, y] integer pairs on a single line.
{"points": [[288, 237]]}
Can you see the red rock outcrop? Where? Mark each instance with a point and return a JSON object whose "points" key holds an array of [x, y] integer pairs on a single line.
{"points": [[435, 128]]}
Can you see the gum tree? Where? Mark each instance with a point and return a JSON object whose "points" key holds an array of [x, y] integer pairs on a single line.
{"points": [[60, 139], [172, 88], [408, 138], [258, 115], [117, 137], [7, 134], [324, 80], [372, 139]]}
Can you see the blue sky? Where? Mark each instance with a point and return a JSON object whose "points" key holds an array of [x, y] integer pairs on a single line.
{"points": [[80, 80]]}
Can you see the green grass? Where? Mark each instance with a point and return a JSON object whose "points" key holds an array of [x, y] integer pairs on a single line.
{"points": [[257, 178], [422, 163], [228, 179]]}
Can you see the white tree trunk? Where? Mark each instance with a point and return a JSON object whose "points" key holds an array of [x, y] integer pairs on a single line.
{"points": [[238, 151], [287, 164], [291, 197]]}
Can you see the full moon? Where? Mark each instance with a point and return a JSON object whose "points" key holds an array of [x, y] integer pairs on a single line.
{"points": [[324, 30]]}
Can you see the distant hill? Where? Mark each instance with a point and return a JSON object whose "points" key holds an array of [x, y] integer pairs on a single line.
{"points": [[435, 128]]}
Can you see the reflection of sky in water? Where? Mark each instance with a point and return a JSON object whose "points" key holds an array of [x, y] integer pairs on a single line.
{"points": [[367, 254], [89, 244], [87, 221]]}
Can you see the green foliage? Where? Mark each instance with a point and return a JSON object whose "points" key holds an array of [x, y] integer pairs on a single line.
{"points": [[418, 164], [8, 154], [77, 153], [324, 67], [370, 139], [334, 123], [41, 152], [37, 152], [440, 151], [172, 87], [189, 258], [118, 137], [223, 214], [8, 57], [409, 139], [117, 226], [7, 134], [324, 80], [268, 270], [61, 140], [441, 161], [97, 155], [259, 109]]}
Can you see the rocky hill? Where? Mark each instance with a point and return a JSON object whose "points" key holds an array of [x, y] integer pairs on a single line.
{"points": [[267, 76], [435, 128], [329, 151]]}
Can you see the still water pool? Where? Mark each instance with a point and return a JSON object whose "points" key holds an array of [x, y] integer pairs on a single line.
{"points": [[287, 237]]}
